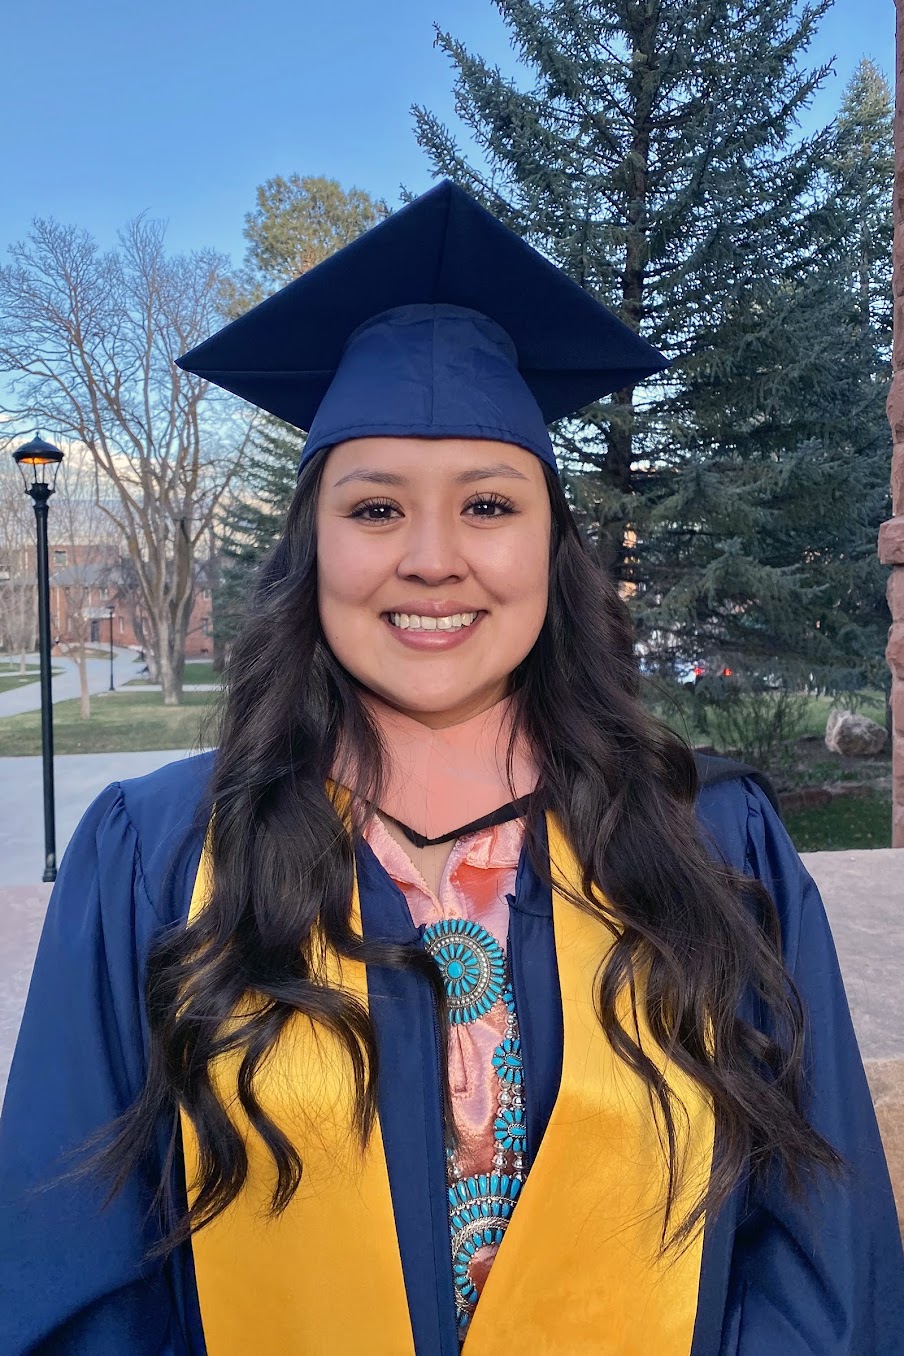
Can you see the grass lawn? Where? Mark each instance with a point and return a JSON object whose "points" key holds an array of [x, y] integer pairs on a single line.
{"points": [[196, 671], [818, 709], [120, 722], [844, 824], [11, 680]]}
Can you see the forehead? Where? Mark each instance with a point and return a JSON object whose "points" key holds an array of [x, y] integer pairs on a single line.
{"points": [[418, 461]]}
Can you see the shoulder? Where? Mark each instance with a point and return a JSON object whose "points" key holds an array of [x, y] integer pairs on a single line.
{"points": [[163, 801], [741, 825], [152, 828], [732, 798]]}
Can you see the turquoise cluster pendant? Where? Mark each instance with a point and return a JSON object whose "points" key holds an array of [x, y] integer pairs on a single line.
{"points": [[479, 1211], [474, 970], [472, 964]]}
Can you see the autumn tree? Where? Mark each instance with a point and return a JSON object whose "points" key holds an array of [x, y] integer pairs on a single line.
{"points": [[297, 223], [88, 339]]}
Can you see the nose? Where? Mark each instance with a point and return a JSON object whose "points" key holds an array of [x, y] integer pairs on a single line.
{"points": [[432, 550]]}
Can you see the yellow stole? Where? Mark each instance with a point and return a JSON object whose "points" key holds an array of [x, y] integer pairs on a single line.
{"points": [[578, 1272]]}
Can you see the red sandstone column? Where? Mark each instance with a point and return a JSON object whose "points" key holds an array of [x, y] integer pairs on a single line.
{"points": [[891, 533]]}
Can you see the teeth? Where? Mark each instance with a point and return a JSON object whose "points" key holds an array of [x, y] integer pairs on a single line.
{"points": [[410, 622]]}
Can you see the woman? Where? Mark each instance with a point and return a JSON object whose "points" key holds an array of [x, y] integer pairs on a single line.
{"points": [[442, 1005]]}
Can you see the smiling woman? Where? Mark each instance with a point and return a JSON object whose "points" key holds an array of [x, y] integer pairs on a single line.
{"points": [[459, 535], [449, 1002]]}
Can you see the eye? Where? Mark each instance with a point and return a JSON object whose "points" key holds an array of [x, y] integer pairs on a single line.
{"points": [[493, 505], [375, 511]]}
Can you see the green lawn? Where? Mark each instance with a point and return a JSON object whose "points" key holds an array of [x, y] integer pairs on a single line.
{"points": [[120, 722], [196, 671], [846, 823], [818, 709], [12, 680]]}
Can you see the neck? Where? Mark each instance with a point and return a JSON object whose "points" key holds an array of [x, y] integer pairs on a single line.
{"points": [[445, 720], [438, 777]]}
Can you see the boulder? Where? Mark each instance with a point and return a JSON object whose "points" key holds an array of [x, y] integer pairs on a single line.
{"points": [[854, 736]]}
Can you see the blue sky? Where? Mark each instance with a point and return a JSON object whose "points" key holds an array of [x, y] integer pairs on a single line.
{"points": [[182, 109]]}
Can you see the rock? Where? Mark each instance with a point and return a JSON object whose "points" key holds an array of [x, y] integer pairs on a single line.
{"points": [[854, 736]]}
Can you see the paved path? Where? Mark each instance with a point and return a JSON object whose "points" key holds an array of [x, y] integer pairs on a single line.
{"points": [[186, 687], [78, 778], [66, 684]]}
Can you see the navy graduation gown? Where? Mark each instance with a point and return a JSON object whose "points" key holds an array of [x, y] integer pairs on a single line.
{"points": [[821, 1279]]}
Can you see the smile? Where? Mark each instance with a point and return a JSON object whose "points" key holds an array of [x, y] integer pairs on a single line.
{"points": [[409, 621]]}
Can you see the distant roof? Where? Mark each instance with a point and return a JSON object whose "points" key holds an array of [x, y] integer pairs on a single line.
{"points": [[85, 576]]}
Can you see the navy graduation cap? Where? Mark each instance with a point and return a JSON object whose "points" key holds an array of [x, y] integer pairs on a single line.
{"points": [[439, 322]]}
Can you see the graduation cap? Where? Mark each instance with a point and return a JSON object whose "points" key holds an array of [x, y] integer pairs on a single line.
{"points": [[439, 322]]}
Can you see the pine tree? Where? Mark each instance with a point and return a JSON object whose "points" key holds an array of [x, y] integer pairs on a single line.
{"points": [[254, 520], [781, 574], [653, 151]]}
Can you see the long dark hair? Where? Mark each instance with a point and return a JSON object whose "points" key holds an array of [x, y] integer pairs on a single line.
{"points": [[623, 788]]}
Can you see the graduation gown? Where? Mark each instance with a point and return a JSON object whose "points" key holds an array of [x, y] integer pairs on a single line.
{"points": [[820, 1278]]}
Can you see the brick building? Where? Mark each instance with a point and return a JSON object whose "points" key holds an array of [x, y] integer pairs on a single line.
{"points": [[89, 592]]}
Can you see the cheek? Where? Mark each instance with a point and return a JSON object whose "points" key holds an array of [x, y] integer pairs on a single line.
{"points": [[517, 563], [347, 572], [516, 574]]}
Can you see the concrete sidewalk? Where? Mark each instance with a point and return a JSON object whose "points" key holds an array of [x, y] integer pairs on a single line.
{"points": [[78, 778], [66, 685]]}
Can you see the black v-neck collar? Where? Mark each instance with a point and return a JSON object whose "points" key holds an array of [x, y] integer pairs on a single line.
{"points": [[513, 810]]}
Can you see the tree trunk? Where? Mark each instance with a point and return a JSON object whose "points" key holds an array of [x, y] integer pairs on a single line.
{"points": [[84, 706], [22, 665], [170, 681], [170, 655]]}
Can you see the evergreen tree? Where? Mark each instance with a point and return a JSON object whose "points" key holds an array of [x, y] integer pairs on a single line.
{"points": [[780, 571], [254, 519], [653, 151], [297, 224]]}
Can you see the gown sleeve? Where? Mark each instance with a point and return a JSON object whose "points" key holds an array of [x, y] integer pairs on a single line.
{"points": [[824, 1276], [73, 1276]]}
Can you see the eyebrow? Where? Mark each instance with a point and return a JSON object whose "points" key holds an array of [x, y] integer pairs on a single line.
{"points": [[374, 477]]}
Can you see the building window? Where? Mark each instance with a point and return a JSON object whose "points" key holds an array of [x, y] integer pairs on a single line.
{"points": [[5, 571], [205, 625], [205, 594], [60, 557], [122, 625]]}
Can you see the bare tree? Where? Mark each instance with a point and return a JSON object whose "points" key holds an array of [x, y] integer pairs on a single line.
{"points": [[18, 598], [89, 579], [87, 342]]}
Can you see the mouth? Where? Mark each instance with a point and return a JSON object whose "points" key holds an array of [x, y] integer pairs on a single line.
{"points": [[419, 632], [412, 621]]}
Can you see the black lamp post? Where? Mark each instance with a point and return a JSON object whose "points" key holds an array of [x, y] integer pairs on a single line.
{"points": [[110, 610], [39, 462]]}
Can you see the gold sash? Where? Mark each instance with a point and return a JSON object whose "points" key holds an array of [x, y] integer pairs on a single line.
{"points": [[578, 1272]]}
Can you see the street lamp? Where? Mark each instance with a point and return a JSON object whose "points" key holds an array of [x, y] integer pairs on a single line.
{"points": [[39, 462], [110, 610]]}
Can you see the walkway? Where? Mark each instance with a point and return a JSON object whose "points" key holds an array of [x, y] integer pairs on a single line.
{"points": [[66, 684], [78, 778]]}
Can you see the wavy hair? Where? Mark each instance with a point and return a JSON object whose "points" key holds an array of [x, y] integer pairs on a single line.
{"points": [[623, 786]]}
